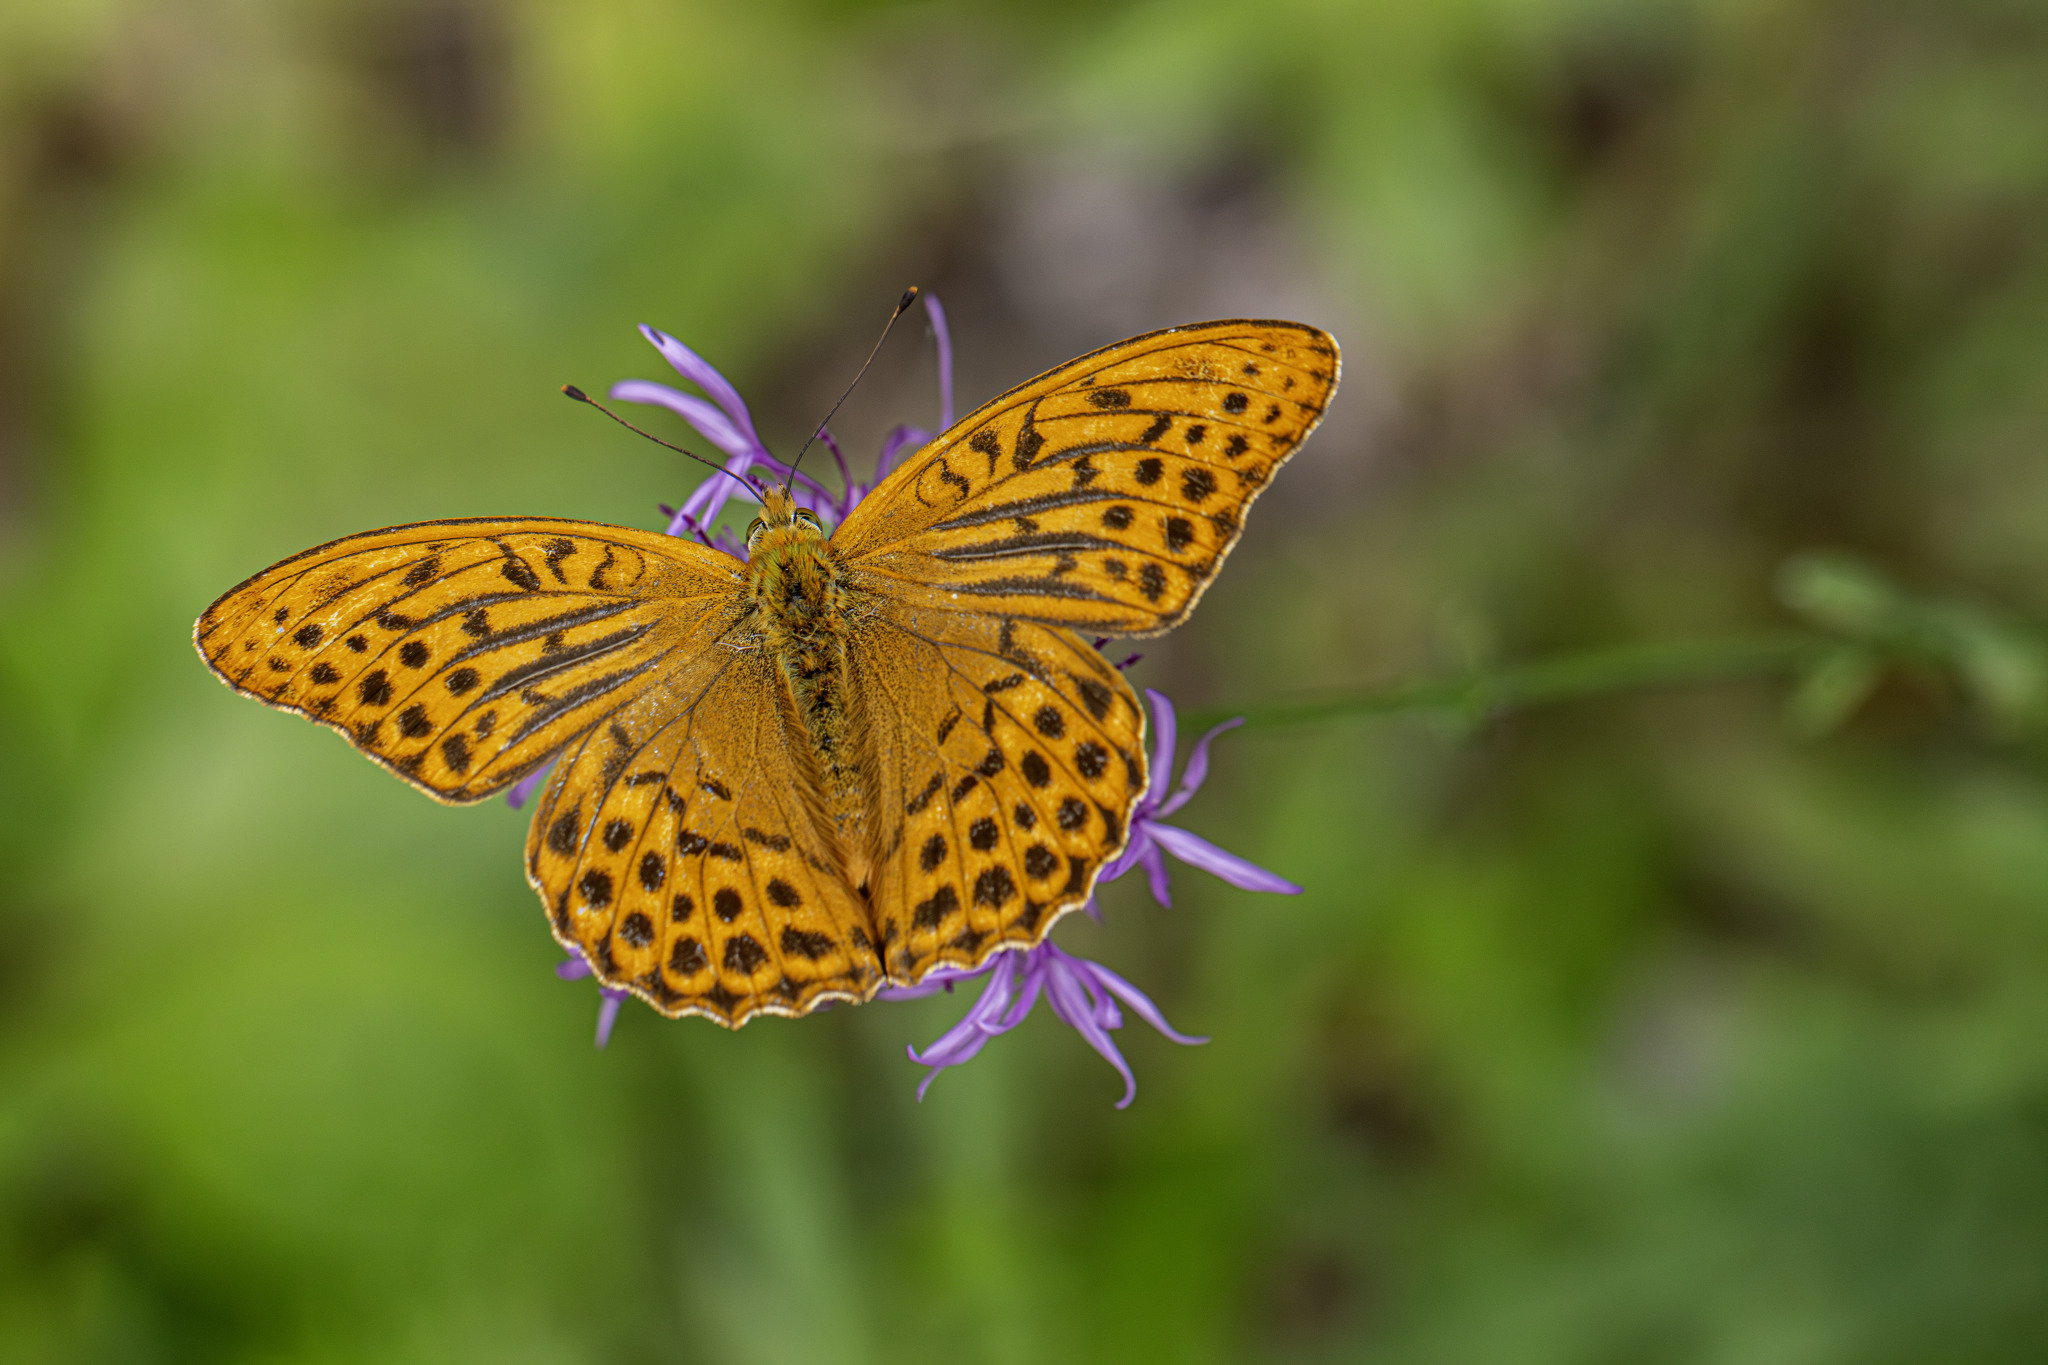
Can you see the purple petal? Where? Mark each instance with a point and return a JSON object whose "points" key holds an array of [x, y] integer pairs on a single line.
{"points": [[1200, 853], [959, 1044], [608, 1014], [945, 340], [838, 455], [803, 483], [1197, 771], [901, 439], [715, 426], [700, 372], [683, 524], [522, 791], [575, 969], [1140, 1003], [938, 979], [1164, 725], [983, 1020], [1133, 854], [1155, 872], [1072, 1002], [709, 498]]}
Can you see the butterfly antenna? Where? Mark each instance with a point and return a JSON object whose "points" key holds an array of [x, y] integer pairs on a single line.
{"points": [[902, 307], [580, 396]]}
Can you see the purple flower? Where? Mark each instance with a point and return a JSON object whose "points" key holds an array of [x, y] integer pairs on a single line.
{"points": [[1083, 994]]}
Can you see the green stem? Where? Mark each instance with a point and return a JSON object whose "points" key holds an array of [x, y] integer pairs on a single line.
{"points": [[1571, 677]]}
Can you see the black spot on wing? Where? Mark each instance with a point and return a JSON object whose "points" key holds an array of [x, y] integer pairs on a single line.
{"points": [[743, 954], [805, 944], [932, 911]]}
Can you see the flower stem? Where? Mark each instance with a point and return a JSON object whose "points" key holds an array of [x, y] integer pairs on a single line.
{"points": [[1568, 677]]}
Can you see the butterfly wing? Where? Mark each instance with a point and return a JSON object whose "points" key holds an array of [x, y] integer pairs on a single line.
{"points": [[681, 846], [1011, 754], [1103, 495], [464, 654]]}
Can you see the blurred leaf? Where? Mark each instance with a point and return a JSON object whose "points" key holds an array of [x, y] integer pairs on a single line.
{"points": [[1828, 692]]}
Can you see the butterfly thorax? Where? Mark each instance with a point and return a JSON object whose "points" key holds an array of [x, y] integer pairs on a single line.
{"points": [[803, 608]]}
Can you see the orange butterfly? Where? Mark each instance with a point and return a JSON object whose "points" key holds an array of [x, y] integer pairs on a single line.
{"points": [[849, 758]]}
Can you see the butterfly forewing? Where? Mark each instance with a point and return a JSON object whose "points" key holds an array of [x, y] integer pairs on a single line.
{"points": [[1103, 495], [676, 846], [1011, 755], [461, 654]]}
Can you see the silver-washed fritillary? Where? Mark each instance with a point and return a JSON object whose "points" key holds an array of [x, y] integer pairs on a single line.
{"points": [[849, 758]]}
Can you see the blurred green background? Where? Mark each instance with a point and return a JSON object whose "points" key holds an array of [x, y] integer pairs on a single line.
{"points": [[1655, 1028]]}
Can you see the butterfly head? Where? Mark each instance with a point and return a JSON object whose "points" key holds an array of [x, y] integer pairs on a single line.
{"points": [[782, 522]]}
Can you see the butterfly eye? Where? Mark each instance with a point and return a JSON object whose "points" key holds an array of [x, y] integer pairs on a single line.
{"points": [[754, 529], [808, 519]]}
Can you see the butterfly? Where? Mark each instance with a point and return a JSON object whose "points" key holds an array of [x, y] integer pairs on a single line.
{"points": [[850, 758]]}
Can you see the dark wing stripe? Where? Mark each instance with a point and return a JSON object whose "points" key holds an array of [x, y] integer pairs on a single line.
{"points": [[547, 625], [1043, 587], [1037, 542], [1027, 507], [555, 663], [577, 695]]}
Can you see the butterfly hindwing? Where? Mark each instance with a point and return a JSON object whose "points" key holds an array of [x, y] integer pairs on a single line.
{"points": [[461, 654], [1012, 754], [674, 846], [1103, 495]]}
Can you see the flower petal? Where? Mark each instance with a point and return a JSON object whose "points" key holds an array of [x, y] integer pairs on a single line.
{"points": [[1164, 725], [1140, 1003], [944, 337], [1073, 1001], [997, 1011], [938, 979], [1197, 771], [522, 791], [1198, 852], [1133, 854], [715, 425], [705, 376], [608, 1014], [901, 439], [1155, 872]]}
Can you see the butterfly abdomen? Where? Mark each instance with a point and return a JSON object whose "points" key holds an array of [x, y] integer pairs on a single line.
{"points": [[804, 606]]}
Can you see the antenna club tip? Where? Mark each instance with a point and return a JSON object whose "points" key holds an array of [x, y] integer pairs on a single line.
{"points": [[573, 392], [909, 297]]}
